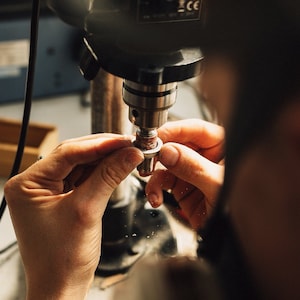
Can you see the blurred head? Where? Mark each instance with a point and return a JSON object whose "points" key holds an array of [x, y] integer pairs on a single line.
{"points": [[252, 76]]}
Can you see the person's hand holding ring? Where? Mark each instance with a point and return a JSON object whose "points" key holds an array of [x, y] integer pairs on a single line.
{"points": [[192, 155]]}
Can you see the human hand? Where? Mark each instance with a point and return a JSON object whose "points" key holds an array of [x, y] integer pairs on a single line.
{"points": [[56, 207], [192, 153]]}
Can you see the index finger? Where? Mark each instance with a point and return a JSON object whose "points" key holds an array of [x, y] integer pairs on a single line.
{"points": [[64, 158], [202, 136]]}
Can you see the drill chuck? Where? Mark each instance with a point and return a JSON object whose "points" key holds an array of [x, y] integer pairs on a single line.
{"points": [[148, 110], [149, 104]]}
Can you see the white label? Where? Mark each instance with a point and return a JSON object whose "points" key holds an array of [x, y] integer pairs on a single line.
{"points": [[14, 53]]}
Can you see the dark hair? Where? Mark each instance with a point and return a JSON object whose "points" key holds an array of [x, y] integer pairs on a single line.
{"points": [[263, 40]]}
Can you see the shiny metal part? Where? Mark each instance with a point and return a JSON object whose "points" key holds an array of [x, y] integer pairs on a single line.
{"points": [[148, 110], [147, 167], [149, 104], [109, 114], [150, 144]]}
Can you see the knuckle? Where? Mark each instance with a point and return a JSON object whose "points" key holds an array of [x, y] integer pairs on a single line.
{"points": [[111, 176], [60, 148], [63, 152], [8, 188], [11, 188]]}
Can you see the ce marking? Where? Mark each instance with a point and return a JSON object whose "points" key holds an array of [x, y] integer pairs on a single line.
{"points": [[193, 5]]}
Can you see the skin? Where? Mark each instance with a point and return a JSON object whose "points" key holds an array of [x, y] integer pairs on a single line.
{"points": [[57, 204], [56, 207], [191, 154], [264, 205], [194, 149], [71, 188], [218, 82]]}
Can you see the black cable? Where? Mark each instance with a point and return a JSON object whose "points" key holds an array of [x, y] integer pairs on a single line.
{"points": [[28, 94], [2, 251]]}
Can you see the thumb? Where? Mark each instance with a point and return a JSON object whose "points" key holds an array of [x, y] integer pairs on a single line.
{"points": [[193, 168], [109, 173]]}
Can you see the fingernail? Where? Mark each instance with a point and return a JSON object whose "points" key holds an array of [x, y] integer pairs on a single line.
{"points": [[153, 200], [169, 156]]}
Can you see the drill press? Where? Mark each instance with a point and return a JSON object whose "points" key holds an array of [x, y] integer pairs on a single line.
{"points": [[150, 45]]}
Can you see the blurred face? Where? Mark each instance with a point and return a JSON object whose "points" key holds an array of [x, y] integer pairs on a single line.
{"points": [[219, 81], [264, 205], [264, 200]]}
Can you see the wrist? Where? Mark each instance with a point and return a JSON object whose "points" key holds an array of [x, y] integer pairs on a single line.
{"points": [[47, 290]]}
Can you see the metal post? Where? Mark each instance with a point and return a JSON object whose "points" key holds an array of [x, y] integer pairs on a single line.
{"points": [[110, 114]]}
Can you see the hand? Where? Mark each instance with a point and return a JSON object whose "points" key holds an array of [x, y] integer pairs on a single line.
{"points": [[192, 152], [56, 207]]}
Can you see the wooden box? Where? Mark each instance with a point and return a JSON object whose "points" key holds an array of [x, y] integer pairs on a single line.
{"points": [[41, 139]]}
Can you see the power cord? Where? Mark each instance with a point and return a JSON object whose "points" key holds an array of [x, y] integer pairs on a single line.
{"points": [[28, 94]]}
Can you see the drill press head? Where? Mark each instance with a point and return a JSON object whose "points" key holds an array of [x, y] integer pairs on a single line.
{"points": [[150, 44], [149, 87]]}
